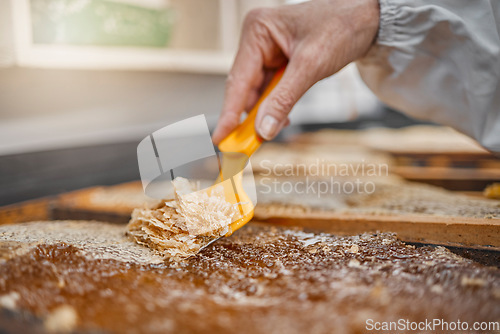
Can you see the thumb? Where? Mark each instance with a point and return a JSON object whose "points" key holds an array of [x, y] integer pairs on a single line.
{"points": [[272, 115]]}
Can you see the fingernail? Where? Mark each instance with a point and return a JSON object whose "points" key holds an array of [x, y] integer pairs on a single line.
{"points": [[268, 127]]}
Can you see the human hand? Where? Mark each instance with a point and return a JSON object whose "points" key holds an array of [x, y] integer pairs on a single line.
{"points": [[316, 39]]}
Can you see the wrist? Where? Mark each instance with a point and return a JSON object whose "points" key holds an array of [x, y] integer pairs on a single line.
{"points": [[366, 24]]}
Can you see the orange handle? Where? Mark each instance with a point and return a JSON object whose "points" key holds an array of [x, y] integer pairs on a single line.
{"points": [[244, 139]]}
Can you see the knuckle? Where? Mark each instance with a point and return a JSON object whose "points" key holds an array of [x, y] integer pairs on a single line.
{"points": [[230, 80], [233, 83], [257, 18], [255, 15], [283, 102]]}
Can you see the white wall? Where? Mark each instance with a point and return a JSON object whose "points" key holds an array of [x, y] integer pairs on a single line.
{"points": [[47, 109]]}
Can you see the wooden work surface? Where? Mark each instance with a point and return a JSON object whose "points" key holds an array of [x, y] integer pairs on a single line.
{"points": [[478, 233], [81, 276], [432, 155]]}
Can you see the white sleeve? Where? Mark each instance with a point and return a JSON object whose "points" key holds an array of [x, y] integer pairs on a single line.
{"points": [[440, 60]]}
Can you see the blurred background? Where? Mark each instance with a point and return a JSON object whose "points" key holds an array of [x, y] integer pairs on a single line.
{"points": [[83, 81]]}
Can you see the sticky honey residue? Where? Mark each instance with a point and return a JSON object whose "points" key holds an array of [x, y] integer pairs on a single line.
{"points": [[181, 227], [262, 279]]}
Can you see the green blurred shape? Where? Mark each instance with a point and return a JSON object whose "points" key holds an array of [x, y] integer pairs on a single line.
{"points": [[100, 23]]}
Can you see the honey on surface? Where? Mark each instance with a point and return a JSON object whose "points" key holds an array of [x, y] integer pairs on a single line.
{"points": [[261, 279]]}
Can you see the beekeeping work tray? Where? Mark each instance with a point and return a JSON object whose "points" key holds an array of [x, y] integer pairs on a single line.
{"points": [[81, 276], [417, 212], [308, 262]]}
